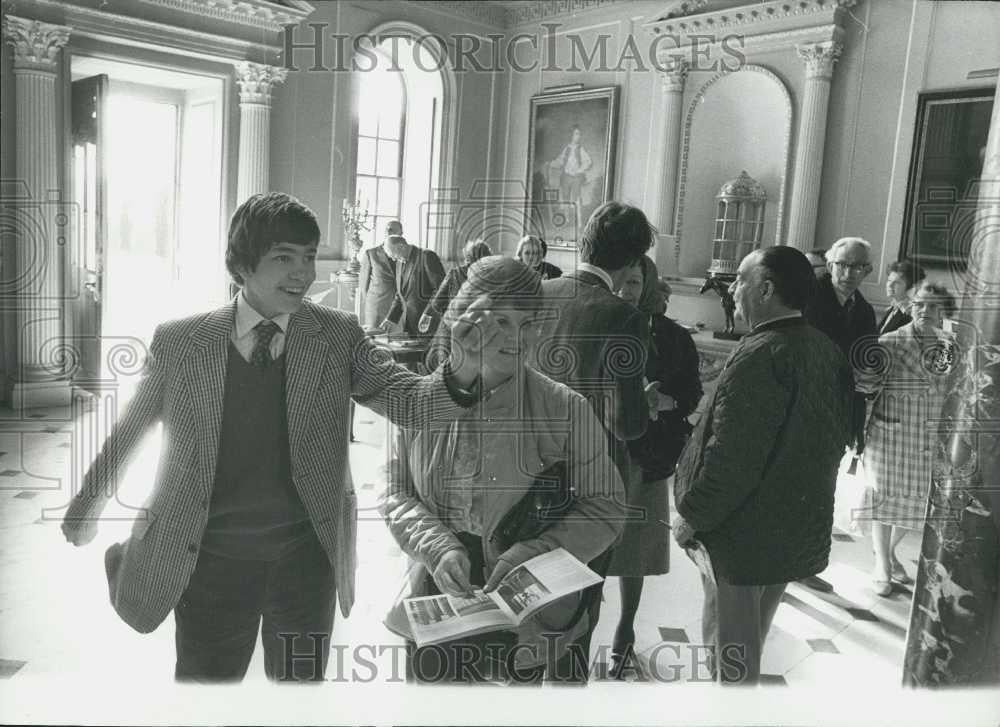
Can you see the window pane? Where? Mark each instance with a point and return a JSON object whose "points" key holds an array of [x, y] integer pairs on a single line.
{"points": [[366, 155], [368, 111], [390, 106], [388, 197], [388, 158], [366, 191]]}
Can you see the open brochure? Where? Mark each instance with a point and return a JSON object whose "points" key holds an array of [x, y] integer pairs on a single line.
{"points": [[527, 588], [698, 554]]}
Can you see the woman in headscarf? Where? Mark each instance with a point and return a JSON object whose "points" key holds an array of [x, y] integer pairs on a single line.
{"points": [[451, 489], [675, 390]]}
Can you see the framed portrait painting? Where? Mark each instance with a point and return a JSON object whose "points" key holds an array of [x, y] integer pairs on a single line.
{"points": [[943, 189], [571, 155]]}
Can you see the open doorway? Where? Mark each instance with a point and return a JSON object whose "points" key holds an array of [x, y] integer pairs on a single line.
{"points": [[147, 176]]}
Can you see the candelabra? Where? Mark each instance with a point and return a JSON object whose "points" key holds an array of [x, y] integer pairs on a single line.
{"points": [[355, 219]]}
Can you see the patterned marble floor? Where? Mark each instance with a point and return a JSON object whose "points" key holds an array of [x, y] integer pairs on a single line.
{"points": [[47, 588]]}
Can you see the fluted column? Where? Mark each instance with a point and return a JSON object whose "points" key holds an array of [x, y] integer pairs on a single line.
{"points": [[37, 215], [819, 59], [954, 634], [256, 81]]}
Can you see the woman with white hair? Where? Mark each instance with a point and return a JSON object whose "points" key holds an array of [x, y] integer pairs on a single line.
{"points": [[910, 388], [453, 491]]}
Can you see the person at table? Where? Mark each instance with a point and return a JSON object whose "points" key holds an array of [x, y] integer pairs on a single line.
{"points": [[419, 274], [531, 251], [472, 251], [450, 488]]}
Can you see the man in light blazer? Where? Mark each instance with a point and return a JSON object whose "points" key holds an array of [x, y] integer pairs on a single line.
{"points": [[252, 515]]}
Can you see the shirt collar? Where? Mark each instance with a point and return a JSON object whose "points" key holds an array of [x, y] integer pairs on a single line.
{"points": [[247, 317], [796, 314], [599, 272]]}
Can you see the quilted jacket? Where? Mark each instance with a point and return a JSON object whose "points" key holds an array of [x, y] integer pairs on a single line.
{"points": [[756, 480]]}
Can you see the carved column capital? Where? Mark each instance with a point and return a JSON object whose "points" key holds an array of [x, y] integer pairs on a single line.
{"points": [[674, 75], [256, 81], [819, 58], [36, 44]]}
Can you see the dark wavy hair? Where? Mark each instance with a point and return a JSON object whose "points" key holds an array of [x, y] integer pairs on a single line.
{"points": [[615, 236], [262, 221], [909, 270]]}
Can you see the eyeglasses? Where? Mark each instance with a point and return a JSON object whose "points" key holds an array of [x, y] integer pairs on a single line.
{"points": [[863, 268]]}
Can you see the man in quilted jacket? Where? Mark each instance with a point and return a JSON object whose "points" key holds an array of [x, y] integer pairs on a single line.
{"points": [[250, 527], [755, 484]]}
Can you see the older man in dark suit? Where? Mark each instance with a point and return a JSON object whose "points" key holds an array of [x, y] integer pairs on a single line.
{"points": [[377, 280], [419, 274]]}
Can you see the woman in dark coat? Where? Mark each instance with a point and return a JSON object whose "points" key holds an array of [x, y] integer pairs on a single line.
{"points": [[903, 275], [672, 369], [452, 283]]}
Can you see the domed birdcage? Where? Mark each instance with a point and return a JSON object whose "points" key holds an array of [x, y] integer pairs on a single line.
{"points": [[739, 223]]}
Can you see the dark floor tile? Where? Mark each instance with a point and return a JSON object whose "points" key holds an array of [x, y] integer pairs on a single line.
{"points": [[822, 646], [10, 473], [677, 635], [862, 614], [771, 680], [10, 667], [26, 495], [843, 538]]}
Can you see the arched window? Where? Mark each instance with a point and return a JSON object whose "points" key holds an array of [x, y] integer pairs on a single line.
{"points": [[403, 120]]}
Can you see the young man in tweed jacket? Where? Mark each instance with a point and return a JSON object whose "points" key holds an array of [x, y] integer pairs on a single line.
{"points": [[253, 511]]}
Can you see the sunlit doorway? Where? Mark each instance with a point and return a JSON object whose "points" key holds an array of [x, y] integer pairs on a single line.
{"points": [[148, 179]]}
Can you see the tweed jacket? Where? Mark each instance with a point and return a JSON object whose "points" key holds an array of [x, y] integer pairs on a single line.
{"points": [[376, 286], [328, 361], [911, 390], [756, 480], [596, 344]]}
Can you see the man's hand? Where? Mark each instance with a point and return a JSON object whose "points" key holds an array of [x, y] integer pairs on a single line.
{"points": [[508, 561], [79, 531], [452, 574], [470, 334], [683, 532]]}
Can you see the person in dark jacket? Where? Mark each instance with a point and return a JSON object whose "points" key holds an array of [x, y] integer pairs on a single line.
{"points": [[903, 276], [755, 484], [672, 370], [434, 312], [531, 251]]}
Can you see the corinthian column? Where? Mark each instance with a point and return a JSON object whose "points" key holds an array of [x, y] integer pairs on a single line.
{"points": [[36, 215], [255, 82], [818, 59], [664, 153]]}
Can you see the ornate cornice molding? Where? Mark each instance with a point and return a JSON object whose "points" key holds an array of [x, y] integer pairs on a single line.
{"points": [[819, 58], [256, 13], [742, 16], [36, 44], [498, 16], [256, 81]]}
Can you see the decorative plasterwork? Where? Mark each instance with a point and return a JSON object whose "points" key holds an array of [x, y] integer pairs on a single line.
{"points": [[36, 45], [256, 81], [499, 16], [819, 58], [779, 225], [675, 75], [742, 16], [258, 13]]}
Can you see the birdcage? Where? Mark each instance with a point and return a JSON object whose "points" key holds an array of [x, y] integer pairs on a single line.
{"points": [[739, 223]]}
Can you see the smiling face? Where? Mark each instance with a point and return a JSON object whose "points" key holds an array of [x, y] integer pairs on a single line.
{"points": [[507, 352], [631, 289], [531, 254], [281, 279]]}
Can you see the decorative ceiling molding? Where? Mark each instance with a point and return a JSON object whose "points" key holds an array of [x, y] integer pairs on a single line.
{"points": [[257, 13], [751, 14], [511, 15]]}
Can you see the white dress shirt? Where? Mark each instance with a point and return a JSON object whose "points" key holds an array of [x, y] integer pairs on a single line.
{"points": [[244, 337]]}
